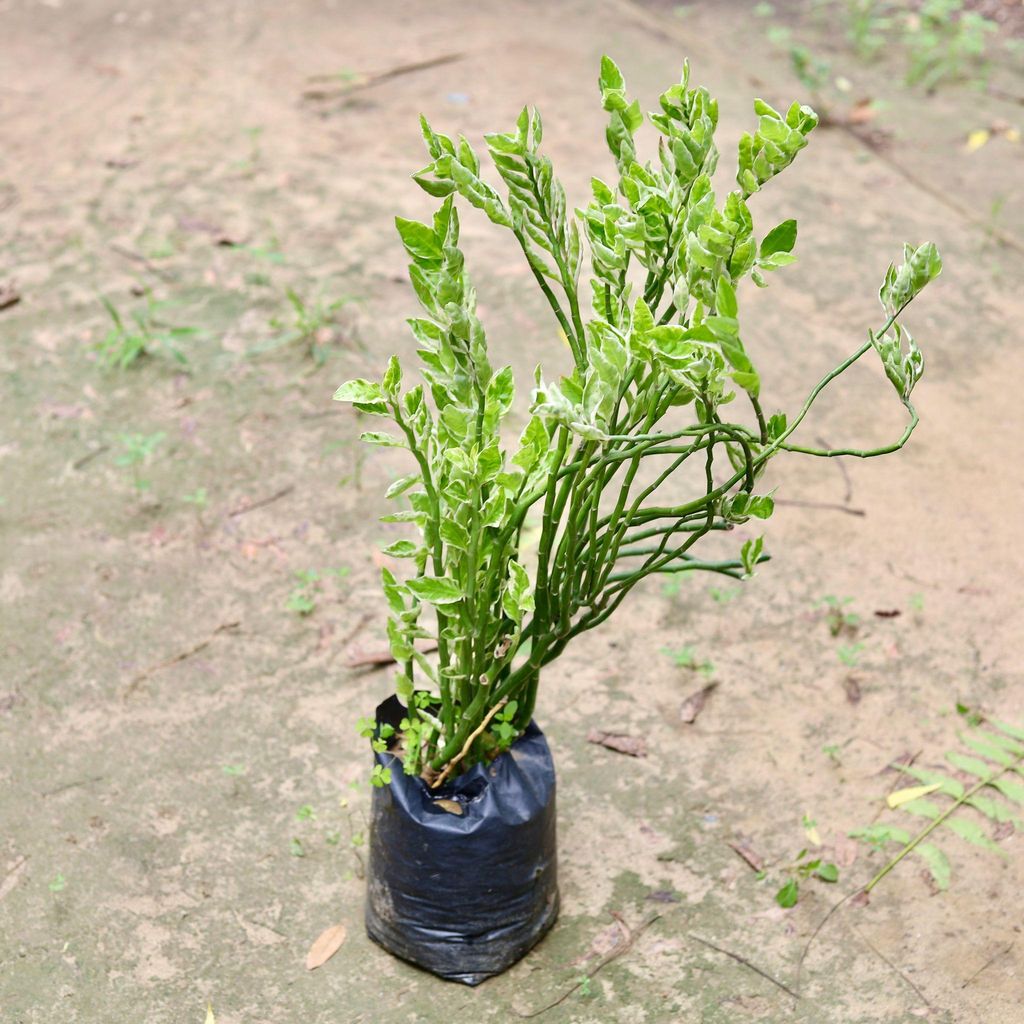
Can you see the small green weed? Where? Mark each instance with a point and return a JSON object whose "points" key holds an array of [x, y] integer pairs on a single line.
{"points": [[58, 884], [311, 325], [684, 657], [140, 334], [849, 654], [138, 448], [805, 865], [302, 599], [947, 43], [839, 620]]}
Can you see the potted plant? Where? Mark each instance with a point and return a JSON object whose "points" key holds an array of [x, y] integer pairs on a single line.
{"points": [[661, 388]]}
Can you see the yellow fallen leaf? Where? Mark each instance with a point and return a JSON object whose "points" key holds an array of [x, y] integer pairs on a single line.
{"points": [[326, 945], [1011, 135], [210, 1019], [977, 139], [813, 835], [904, 796]]}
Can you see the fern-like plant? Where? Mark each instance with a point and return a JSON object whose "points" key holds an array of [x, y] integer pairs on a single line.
{"points": [[990, 790]]}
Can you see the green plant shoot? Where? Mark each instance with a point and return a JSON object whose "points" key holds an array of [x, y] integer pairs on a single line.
{"points": [[659, 375]]}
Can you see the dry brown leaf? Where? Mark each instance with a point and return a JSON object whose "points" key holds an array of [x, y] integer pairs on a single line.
{"points": [[326, 945], [694, 704], [9, 296], [852, 688], [863, 111], [620, 742], [451, 806]]}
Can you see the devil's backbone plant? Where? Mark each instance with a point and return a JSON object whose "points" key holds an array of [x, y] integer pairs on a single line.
{"points": [[662, 394]]}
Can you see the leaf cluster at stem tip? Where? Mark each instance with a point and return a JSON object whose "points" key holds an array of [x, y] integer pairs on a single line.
{"points": [[657, 361]]}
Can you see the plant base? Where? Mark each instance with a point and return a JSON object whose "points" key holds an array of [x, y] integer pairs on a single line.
{"points": [[464, 895]]}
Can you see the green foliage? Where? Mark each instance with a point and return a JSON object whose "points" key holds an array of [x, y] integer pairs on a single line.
{"points": [[849, 654], [685, 657], [302, 599], [142, 333], [940, 40], [311, 327], [136, 452], [657, 362], [986, 791], [806, 865], [945, 42]]}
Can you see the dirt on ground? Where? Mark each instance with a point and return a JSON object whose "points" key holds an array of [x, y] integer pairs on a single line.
{"points": [[182, 790]]}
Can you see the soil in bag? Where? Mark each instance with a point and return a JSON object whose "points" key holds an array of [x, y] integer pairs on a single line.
{"points": [[464, 895]]}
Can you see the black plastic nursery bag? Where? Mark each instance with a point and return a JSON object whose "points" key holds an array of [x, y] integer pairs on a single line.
{"points": [[464, 896]]}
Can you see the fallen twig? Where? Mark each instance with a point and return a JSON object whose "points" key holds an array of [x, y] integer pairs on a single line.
{"points": [[137, 257], [73, 785], [746, 963], [753, 860], [366, 80], [629, 937], [828, 505], [881, 956], [985, 966], [263, 502], [821, 924], [86, 459], [143, 676], [840, 464]]}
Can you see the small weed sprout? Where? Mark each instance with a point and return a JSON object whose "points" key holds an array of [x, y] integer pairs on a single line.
{"points": [[312, 325], [684, 657], [302, 599], [137, 451], [839, 620], [141, 334], [947, 43], [805, 865], [849, 654]]}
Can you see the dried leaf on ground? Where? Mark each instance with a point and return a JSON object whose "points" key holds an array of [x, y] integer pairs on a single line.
{"points": [[9, 296], [863, 111], [904, 796], [852, 688], [743, 849], [634, 746], [694, 704], [326, 945], [451, 806]]}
